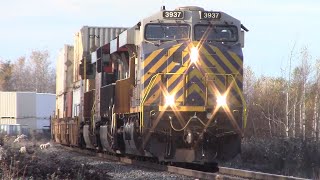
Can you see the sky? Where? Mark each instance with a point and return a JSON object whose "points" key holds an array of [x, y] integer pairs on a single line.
{"points": [[275, 27]]}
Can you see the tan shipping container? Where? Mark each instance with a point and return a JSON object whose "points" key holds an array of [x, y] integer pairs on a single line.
{"points": [[60, 106], [89, 39], [64, 70], [10, 121], [17, 104]]}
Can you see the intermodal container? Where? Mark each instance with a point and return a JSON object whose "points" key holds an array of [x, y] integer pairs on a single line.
{"points": [[45, 105], [64, 70], [87, 40], [17, 104], [69, 104], [60, 106], [76, 102]]}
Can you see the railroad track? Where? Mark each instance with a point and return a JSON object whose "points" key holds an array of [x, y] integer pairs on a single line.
{"points": [[224, 173]]}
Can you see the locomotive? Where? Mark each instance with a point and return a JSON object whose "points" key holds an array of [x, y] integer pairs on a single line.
{"points": [[170, 87]]}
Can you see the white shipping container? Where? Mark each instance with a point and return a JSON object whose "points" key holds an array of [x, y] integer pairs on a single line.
{"points": [[30, 123], [64, 70], [43, 123], [76, 102], [26, 108], [45, 105], [17, 104], [89, 39]]}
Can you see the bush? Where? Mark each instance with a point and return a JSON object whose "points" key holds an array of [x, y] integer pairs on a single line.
{"points": [[292, 157]]}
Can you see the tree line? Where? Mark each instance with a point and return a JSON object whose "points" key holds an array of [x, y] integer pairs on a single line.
{"points": [[287, 106], [34, 74]]}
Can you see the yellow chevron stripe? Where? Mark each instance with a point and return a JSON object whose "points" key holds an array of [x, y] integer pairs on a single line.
{"points": [[197, 73], [192, 89], [212, 61], [162, 60], [219, 68], [239, 77], [151, 57], [224, 59], [171, 79], [180, 71], [158, 64], [173, 64], [236, 58]]}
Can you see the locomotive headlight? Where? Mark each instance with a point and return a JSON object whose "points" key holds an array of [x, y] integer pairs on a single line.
{"points": [[221, 100], [169, 100], [194, 55]]}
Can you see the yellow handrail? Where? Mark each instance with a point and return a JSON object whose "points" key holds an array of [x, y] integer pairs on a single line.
{"points": [[92, 115], [148, 89], [244, 103]]}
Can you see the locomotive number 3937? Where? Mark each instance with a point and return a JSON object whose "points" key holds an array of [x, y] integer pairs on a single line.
{"points": [[210, 15], [173, 14]]}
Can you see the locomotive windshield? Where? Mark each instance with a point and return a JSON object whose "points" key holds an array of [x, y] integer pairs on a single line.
{"points": [[154, 32], [216, 33]]}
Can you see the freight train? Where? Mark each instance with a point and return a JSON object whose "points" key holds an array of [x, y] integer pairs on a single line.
{"points": [[170, 87]]}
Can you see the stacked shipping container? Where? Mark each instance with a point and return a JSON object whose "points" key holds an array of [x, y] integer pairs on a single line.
{"points": [[64, 82], [70, 87], [70, 94]]}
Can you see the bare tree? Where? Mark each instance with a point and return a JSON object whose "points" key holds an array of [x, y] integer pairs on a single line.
{"points": [[22, 75], [32, 74], [288, 124], [248, 89], [43, 73], [6, 76], [305, 57]]}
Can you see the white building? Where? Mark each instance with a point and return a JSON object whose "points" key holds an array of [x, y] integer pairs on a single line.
{"points": [[27, 108]]}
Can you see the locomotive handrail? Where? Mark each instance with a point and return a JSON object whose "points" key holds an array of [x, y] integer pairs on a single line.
{"points": [[153, 78], [148, 89], [92, 124], [244, 103]]}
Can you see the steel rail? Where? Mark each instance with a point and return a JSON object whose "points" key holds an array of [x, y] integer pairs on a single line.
{"points": [[224, 172]]}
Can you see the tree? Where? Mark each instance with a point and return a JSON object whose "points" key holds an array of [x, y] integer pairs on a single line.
{"points": [[305, 58], [34, 74], [248, 89], [6, 76], [43, 75], [22, 75]]}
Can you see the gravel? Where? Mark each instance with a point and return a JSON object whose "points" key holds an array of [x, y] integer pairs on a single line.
{"points": [[57, 162]]}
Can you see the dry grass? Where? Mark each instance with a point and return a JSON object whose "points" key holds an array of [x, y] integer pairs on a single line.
{"points": [[39, 163], [290, 157]]}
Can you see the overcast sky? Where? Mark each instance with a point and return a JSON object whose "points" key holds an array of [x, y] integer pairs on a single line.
{"points": [[274, 25]]}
